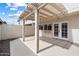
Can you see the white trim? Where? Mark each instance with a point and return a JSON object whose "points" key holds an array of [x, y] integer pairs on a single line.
{"points": [[60, 33], [53, 29], [67, 31]]}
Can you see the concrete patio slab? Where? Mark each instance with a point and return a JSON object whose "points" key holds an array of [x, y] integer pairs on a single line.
{"points": [[18, 48], [47, 47]]}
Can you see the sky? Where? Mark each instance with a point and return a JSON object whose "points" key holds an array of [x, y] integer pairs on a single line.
{"points": [[10, 12], [71, 7]]}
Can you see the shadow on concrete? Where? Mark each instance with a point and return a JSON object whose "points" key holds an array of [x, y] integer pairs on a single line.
{"points": [[45, 48], [57, 42]]}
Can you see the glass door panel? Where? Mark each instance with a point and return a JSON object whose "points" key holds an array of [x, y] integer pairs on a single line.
{"points": [[56, 30], [64, 30]]}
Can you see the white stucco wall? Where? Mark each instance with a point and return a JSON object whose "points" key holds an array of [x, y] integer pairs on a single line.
{"points": [[14, 31], [47, 33], [73, 28]]}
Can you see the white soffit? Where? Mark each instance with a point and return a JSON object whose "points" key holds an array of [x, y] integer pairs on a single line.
{"points": [[71, 7]]}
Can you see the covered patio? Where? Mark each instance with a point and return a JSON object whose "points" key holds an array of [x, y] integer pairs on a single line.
{"points": [[41, 13], [46, 13]]}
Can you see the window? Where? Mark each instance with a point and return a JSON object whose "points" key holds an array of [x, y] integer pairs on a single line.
{"points": [[45, 27], [50, 27], [40, 27]]}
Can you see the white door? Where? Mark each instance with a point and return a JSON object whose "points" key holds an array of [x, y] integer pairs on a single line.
{"points": [[61, 30], [56, 30], [64, 30]]}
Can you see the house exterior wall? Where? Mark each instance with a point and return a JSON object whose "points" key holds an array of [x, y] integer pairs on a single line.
{"points": [[74, 28], [73, 22], [47, 33], [14, 31]]}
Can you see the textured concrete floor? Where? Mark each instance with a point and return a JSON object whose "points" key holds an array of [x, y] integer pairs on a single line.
{"points": [[47, 47], [18, 48]]}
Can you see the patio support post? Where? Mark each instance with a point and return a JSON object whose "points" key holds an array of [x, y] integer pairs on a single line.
{"points": [[23, 30], [36, 30]]}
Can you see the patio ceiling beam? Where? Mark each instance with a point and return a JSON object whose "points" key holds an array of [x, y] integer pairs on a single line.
{"points": [[58, 8], [44, 14], [28, 15], [37, 8], [50, 12], [35, 5], [42, 6], [40, 16], [41, 19]]}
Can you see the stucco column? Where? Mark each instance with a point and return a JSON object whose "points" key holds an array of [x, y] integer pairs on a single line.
{"points": [[36, 30], [23, 30]]}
